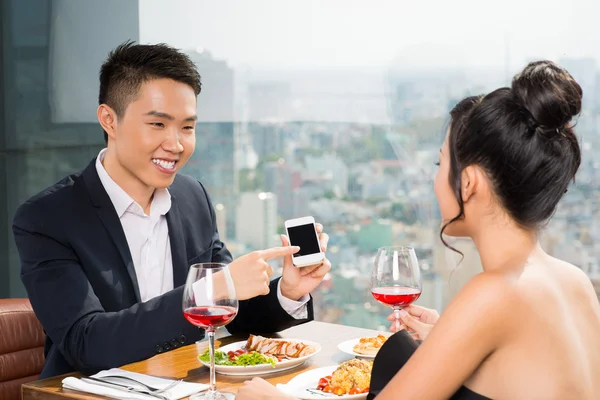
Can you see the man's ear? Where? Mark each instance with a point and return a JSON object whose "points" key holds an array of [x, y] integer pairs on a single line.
{"points": [[107, 117]]}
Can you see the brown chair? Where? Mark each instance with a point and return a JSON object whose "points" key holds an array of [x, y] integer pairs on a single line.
{"points": [[21, 347]]}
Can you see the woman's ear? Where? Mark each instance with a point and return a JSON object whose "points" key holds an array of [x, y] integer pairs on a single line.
{"points": [[470, 180]]}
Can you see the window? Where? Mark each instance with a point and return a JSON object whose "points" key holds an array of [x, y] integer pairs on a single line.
{"points": [[334, 109]]}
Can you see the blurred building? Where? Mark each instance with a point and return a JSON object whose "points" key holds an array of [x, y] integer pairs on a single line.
{"points": [[284, 180], [221, 214], [330, 171], [267, 137], [213, 161], [256, 220]]}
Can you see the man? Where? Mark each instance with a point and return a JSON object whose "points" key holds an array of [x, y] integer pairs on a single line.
{"points": [[105, 253]]}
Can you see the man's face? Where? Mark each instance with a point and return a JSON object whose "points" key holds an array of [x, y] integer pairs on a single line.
{"points": [[155, 136]]}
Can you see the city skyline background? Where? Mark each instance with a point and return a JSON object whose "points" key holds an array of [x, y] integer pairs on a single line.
{"points": [[332, 109]]}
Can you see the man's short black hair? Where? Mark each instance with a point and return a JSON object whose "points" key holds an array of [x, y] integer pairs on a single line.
{"points": [[130, 65]]}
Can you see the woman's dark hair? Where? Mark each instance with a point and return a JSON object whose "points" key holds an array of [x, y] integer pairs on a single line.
{"points": [[130, 65], [521, 137]]}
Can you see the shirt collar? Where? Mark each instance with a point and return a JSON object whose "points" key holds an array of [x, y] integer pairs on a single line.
{"points": [[161, 201]]}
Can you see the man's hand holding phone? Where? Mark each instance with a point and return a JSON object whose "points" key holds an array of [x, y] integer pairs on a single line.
{"points": [[297, 282]]}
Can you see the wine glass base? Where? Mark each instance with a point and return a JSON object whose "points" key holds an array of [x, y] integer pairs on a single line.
{"points": [[213, 396]]}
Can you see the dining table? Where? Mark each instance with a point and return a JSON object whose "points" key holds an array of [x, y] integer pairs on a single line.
{"points": [[182, 363]]}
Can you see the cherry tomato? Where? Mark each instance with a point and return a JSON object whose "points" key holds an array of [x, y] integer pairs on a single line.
{"points": [[323, 381], [366, 390], [354, 391], [328, 389], [339, 391]]}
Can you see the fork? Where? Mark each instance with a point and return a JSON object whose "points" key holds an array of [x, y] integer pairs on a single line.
{"points": [[125, 388], [319, 393], [150, 388]]}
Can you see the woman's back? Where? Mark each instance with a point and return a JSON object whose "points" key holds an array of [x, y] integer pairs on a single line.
{"points": [[553, 352]]}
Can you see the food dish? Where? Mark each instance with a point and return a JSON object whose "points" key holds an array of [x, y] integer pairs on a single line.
{"points": [[238, 358], [280, 348], [369, 346], [304, 386], [351, 377], [260, 364], [365, 347]]}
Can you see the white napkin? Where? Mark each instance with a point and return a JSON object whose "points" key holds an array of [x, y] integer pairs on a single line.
{"points": [[182, 389]]}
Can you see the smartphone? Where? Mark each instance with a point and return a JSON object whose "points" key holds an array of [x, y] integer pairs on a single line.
{"points": [[302, 233]]}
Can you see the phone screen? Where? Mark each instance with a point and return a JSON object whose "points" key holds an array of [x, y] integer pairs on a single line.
{"points": [[305, 237]]}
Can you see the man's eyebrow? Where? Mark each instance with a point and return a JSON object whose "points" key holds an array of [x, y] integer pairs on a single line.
{"points": [[159, 114]]}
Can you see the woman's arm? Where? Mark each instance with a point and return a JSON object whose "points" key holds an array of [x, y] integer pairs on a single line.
{"points": [[259, 389], [476, 323]]}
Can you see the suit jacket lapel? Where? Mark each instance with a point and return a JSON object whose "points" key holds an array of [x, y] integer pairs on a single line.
{"points": [[178, 248], [110, 220], [115, 230]]}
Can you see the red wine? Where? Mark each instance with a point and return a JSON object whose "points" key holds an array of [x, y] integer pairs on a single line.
{"points": [[213, 316], [396, 296]]}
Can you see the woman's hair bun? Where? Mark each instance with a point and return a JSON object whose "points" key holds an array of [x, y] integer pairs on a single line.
{"points": [[549, 93]]}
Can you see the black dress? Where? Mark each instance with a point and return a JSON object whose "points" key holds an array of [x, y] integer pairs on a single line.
{"points": [[392, 356]]}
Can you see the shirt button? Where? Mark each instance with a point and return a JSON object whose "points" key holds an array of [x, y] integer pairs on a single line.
{"points": [[159, 348], [175, 343], [182, 339], [167, 346]]}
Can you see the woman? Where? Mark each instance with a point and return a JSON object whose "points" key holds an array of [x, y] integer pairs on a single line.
{"points": [[527, 327]]}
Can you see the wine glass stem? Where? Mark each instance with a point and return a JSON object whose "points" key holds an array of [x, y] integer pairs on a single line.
{"points": [[211, 346], [397, 318]]}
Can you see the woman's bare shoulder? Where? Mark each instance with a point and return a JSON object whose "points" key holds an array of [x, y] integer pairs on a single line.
{"points": [[572, 276], [580, 281], [490, 291]]}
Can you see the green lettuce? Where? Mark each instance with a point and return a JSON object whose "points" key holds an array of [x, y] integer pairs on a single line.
{"points": [[244, 360]]}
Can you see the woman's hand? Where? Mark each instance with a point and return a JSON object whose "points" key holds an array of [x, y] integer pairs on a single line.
{"points": [[259, 389], [416, 318]]}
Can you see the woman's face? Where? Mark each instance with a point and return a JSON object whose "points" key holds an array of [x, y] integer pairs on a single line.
{"points": [[448, 204]]}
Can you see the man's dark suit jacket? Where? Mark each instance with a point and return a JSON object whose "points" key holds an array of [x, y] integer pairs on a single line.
{"points": [[80, 278]]}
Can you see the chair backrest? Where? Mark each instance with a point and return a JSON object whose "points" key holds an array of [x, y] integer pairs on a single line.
{"points": [[21, 347]]}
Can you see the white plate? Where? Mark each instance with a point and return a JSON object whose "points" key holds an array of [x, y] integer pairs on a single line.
{"points": [[261, 369], [348, 345], [304, 386]]}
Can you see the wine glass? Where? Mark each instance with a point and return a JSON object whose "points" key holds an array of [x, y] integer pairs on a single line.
{"points": [[396, 278], [209, 301]]}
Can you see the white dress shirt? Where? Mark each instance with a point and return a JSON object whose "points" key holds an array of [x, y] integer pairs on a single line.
{"points": [[148, 240]]}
